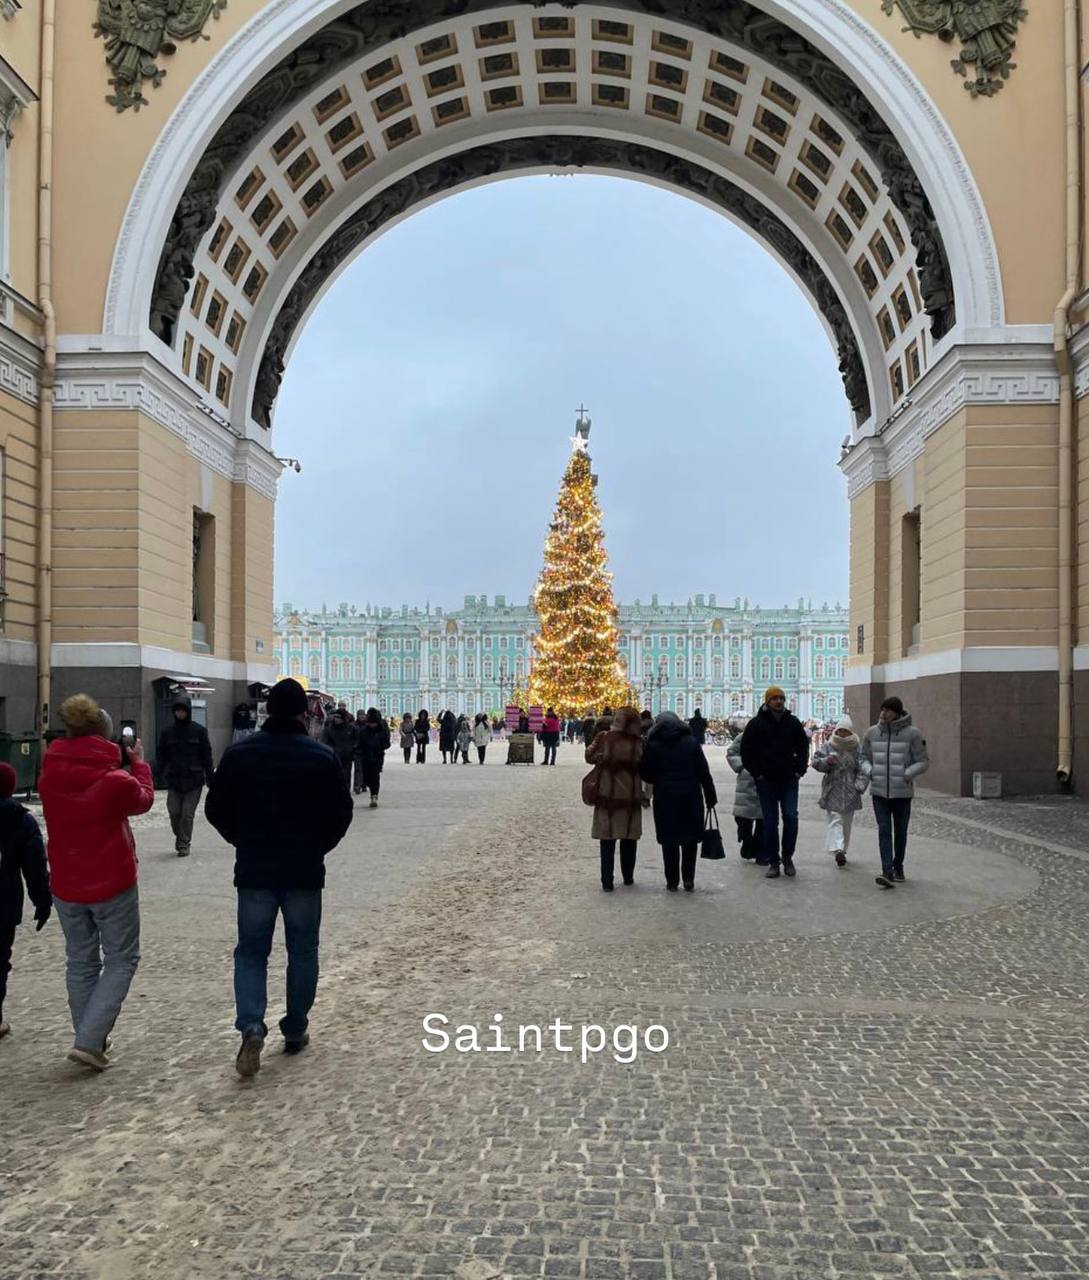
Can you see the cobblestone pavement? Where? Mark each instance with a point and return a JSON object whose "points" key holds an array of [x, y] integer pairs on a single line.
{"points": [[857, 1084]]}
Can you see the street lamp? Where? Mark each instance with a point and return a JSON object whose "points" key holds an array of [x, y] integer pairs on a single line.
{"points": [[293, 463], [650, 683]]}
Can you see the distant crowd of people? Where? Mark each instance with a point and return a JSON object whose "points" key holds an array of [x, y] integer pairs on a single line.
{"points": [[283, 799]]}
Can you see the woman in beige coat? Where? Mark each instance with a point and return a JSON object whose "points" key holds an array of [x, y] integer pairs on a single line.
{"points": [[621, 794]]}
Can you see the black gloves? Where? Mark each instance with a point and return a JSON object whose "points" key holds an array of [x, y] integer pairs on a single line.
{"points": [[41, 915]]}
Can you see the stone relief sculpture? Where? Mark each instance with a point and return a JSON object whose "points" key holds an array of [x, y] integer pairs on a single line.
{"points": [[555, 152], [138, 31], [986, 30], [367, 27]]}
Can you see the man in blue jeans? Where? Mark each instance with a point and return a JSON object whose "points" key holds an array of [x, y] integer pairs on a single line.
{"points": [[894, 752], [281, 799], [775, 751]]}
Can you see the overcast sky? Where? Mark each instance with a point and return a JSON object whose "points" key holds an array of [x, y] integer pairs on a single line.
{"points": [[432, 397]]}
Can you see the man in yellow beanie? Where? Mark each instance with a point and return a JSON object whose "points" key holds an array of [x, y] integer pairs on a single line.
{"points": [[775, 750]]}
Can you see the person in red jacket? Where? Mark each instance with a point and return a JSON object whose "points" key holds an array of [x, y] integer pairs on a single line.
{"points": [[87, 799]]}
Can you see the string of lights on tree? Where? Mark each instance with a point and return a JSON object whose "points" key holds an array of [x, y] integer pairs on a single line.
{"points": [[576, 664]]}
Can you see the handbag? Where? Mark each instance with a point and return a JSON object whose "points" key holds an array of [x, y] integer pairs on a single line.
{"points": [[711, 844], [591, 786]]}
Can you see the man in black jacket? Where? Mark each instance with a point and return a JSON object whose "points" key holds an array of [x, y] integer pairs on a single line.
{"points": [[22, 857], [184, 759], [775, 750], [282, 800]]}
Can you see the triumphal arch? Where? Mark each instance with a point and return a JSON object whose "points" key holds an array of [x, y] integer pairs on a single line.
{"points": [[182, 181]]}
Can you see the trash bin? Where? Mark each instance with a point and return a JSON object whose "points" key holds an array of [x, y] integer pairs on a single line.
{"points": [[23, 751]]}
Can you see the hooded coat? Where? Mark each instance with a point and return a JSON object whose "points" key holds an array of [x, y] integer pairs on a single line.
{"points": [[447, 731], [844, 780], [87, 800], [408, 734], [698, 725], [22, 857], [184, 754], [618, 813], [422, 729], [372, 742], [746, 799], [674, 764], [895, 755]]}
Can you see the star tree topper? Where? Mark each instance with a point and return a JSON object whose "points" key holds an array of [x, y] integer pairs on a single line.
{"points": [[581, 439]]}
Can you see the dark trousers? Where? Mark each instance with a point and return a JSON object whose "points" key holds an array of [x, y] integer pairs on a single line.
{"points": [[345, 763], [627, 859], [408, 753], [750, 836], [775, 796], [359, 769], [680, 861], [7, 941], [257, 912], [421, 752], [372, 776], [549, 752], [892, 817], [480, 753], [181, 808]]}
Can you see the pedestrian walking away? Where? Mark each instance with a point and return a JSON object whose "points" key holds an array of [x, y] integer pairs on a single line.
{"points": [[845, 779], [407, 736], [775, 751], [618, 794], [340, 736], [482, 736], [372, 743], [22, 858], [589, 728], [894, 754], [675, 766], [184, 759], [550, 736], [748, 813], [421, 731], [448, 737], [283, 801], [698, 725], [87, 800]]}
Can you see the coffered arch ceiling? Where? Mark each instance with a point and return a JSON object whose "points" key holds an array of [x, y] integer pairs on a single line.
{"points": [[391, 106]]}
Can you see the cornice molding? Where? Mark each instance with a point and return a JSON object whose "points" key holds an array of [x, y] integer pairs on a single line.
{"points": [[997, 373], [109, 380], [20, 362]]}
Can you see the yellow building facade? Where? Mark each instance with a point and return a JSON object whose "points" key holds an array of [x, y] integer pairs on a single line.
{"points": [[180, 183]]}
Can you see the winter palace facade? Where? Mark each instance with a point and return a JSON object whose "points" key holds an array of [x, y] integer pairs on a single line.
{"points": [[698, 654]]}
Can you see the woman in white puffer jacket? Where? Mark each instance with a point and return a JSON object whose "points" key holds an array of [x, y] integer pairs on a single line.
{"points": [[748, 815]]}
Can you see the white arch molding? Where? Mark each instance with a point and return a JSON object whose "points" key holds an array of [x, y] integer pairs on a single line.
{"points": [[830, 25]]}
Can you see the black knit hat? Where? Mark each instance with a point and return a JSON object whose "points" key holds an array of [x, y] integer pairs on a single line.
{"points": [[893, 704], [286, 699]]}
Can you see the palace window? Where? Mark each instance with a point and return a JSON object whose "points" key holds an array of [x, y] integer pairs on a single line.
{"points": [[296, 666], [679, 704], [818, 668], [520, 669], [470, 668], [716, 705], [434, 667], [778, 669], [792, 669], [315, 668], [716, 669], [486, 667], [383, 669], [718, 642], [735, 668], [735, 702], [451, 668], [648, 666], [765, 668], [678, 668], [394, 669], [697, 667]]}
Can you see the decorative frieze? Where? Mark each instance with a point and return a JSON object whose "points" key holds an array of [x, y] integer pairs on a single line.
{"points": [[993, 374], [20, 361], [93, 380]]}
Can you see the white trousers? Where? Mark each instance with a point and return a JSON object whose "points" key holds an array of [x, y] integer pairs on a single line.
{"points": [[839, 831]]}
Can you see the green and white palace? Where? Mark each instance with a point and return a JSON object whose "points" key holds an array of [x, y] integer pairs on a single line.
{"points": [[719, 658]]}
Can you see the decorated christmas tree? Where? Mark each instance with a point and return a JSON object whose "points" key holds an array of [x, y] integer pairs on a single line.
{"points": [[576, 666]]}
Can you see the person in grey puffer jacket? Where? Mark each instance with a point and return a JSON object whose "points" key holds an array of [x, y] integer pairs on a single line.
{"points": [[895, 754], [748, 815]]}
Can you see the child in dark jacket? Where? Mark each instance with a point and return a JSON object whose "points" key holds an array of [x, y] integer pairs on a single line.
{"points": [[22, 857]]}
